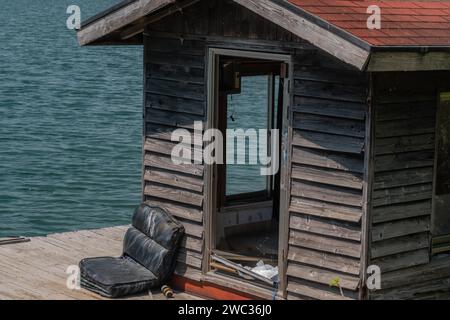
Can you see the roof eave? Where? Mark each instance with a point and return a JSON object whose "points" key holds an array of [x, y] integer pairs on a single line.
{"points": [[98, 29], [409, 58]]}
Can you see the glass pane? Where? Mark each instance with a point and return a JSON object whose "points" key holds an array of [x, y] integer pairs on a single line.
{"points": [[442, 196], [247, 110]]}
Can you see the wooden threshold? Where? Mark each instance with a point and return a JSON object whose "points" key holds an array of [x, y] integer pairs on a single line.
{"points": [[222, 287]]}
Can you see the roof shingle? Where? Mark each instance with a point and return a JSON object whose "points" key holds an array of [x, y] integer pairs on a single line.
{"points": [[403, 23]]}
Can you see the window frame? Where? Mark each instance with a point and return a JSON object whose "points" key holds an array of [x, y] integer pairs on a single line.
{"points": [[439, 244], [263, 194]]}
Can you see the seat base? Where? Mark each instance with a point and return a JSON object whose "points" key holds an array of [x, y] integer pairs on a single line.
{"points": [[116, 277]]}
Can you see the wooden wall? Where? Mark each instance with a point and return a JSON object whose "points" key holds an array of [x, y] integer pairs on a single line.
{"points": [[175, 97], [329, 112], [404, 145], [328, 133]]}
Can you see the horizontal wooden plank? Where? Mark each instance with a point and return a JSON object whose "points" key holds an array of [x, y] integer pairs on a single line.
{"points": [[155, 161], [322, 276], [161, 102], [396, 145], [177, 180], [169, 71], [316, 58], [192, 244], [325, 176], [393, 97], [173, 119], [323, 74], [176, 89], [429, 290], [324, 260], [405, 194], [325, 227], [329, 107], [402, 260], [330, 160], [188, 272], [160, 132], [398, 128], [405, 62], [190, 258], [436, 269], [326, 193], [170, 46], [331, 125], [192, 228], [325, 210], [405, 85], [325, 244], [165, 133], [177, 209], [174, 194], [292, 296], [401, 211], [389, 230], [314, 291], [406, 111], [392, 179], [404, 161], [399, 245], [331, 142], [338, 92], [178, 58], [164, 147]]}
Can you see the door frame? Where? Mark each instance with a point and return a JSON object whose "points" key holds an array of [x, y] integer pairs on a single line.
{"points": [[212, 83], [442, 89]]}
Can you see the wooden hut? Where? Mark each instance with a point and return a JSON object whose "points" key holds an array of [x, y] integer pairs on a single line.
{"points": [[365, 121]]}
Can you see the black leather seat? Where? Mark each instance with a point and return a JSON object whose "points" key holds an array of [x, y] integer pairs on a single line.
{"points": [[149, 257]]}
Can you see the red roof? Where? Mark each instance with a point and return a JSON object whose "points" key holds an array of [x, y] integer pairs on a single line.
{"points": [[403, 23]]}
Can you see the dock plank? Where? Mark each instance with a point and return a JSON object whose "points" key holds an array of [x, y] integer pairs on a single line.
{"points": [[36, 270]]}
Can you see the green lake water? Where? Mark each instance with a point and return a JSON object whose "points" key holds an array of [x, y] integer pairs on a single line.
{"points": [[70, 123]]}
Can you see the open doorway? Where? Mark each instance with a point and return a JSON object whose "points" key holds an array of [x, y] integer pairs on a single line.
{"points": [[249, 92]]}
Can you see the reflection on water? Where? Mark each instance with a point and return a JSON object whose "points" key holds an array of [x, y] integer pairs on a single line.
{"points": [[70, 123]]}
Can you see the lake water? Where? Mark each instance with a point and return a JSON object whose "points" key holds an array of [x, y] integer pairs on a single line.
{"points": [[70, 123]]}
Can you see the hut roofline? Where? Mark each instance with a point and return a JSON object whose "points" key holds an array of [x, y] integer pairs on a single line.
{"points": [[415, 35]]}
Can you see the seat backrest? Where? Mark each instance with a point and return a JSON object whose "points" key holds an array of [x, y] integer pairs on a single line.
{"points": [[153, 240], [159, 225]]}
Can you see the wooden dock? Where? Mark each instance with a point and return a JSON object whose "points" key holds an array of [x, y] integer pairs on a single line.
{"points": [[36, 269]]}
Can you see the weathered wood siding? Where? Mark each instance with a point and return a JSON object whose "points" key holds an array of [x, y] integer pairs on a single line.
{"points": [[404, 147], [175, 97], [329, 112], [328, 117]]}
